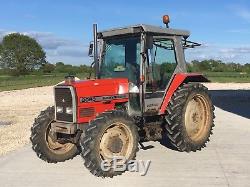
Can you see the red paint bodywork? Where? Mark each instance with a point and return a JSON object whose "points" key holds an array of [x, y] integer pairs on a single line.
{"points": [[110, 87], [178, 79], [99, 87]]}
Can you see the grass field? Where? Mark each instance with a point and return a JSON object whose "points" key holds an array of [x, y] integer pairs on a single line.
{"points": [[225, 77], [16, 83], [29, 81]]}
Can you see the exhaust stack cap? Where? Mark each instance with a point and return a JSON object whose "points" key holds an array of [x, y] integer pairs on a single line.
{"points": [[69, 79]]}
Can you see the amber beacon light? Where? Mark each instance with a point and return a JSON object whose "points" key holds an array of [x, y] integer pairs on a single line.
{"points": [[166, 20]]}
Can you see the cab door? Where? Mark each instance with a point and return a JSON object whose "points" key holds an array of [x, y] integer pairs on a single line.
{"points": [[160, 68]]}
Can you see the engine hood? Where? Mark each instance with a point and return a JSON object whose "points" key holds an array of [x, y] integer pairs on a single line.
{"points": [[101, 87]]}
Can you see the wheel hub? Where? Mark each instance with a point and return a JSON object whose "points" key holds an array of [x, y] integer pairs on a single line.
{"points": [[196, 117], [54, 145], [117, 140], [115, 145]]}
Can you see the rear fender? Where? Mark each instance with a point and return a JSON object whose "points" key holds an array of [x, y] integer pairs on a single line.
{"points": [[177, 81]]}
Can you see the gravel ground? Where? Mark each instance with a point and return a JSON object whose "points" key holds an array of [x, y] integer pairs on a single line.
{"points": [[228, 86], [19, 108]]}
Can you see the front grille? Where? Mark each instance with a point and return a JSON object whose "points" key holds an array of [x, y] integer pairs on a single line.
{"points": [[63, 98], [87, 112]]}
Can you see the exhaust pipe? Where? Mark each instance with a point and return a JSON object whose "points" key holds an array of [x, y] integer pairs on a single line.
{"points": [[95, 51]]}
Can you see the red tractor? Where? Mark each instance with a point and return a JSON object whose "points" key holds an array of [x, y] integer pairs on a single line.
{"points": [[142, 92]]}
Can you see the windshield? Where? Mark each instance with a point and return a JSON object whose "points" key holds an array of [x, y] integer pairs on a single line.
{"points": [[121, 58]]}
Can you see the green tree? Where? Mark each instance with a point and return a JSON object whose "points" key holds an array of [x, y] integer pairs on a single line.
{"points": [[246, 68], [48, 68], [0, 49], [59, 64], [21, 54]]}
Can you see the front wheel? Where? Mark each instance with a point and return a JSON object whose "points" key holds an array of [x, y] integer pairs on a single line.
{"points": [[112, 134], [44, 142], [189, 117]]}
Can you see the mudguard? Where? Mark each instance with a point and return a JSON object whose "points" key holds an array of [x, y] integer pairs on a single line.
{"points": [[178, 80]]}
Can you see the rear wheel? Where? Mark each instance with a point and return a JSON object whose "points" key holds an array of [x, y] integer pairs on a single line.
{"points": [[189, 117], [44, 142], [112, 134]]}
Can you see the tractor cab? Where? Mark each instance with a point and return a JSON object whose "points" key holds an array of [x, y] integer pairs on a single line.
{"points": [[148, 56]]}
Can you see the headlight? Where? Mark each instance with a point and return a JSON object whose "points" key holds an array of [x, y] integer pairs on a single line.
{"points": [[121, 89], [69, 110], [59, 109]]}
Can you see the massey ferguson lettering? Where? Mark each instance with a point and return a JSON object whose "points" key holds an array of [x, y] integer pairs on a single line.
{"points": [[102, 98]]}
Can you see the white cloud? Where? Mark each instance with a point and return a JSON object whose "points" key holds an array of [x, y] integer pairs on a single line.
{"points": [[236, 53], [57, 48], [50, 41], [236, 50], [239, 31], [242, 12]]}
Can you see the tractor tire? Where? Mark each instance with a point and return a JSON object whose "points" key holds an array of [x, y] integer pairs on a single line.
{"points": [[190, 117], [110, 134], [42, 141]]}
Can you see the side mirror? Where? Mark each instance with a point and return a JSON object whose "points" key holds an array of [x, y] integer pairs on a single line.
{"points": [[150, 42], [91, 47]]}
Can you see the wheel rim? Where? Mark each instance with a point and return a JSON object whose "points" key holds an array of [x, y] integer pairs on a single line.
{"points": [[116, 141], [197, 117], [54, 145]]}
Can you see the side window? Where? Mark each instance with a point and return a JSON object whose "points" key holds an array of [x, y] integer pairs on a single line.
{"points": [[162, 63]]}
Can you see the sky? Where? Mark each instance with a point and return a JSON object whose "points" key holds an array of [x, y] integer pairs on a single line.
{"points": [[64, 27]]}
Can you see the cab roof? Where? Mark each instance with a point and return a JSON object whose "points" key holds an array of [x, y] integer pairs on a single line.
{"points": [[136, 29]]}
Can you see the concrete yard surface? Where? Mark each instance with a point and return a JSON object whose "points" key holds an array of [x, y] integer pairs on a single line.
{"points": [[224, 162]]}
